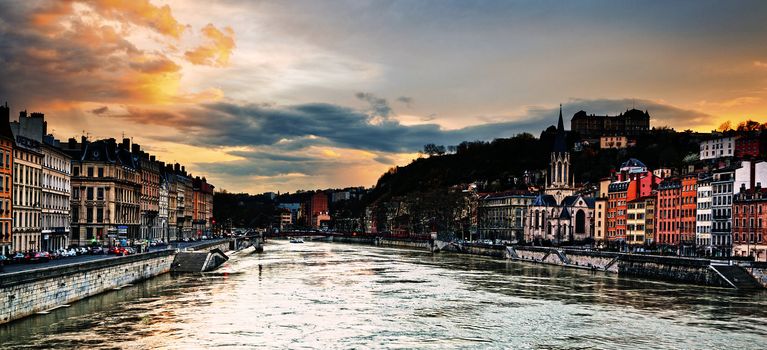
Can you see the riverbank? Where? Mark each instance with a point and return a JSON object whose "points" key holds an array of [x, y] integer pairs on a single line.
{"points": [[26, 293], [747, 276]]}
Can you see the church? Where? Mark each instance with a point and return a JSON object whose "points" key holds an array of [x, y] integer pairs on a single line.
{"points": [[559, 214]]}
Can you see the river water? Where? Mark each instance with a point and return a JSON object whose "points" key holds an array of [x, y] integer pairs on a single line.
{"points": [[326, 296]]}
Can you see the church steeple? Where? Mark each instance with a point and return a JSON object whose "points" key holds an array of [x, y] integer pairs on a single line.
{"points": [[560, 140], [560, 177]]}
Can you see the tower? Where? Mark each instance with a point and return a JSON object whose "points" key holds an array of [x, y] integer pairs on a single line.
{"points": [[559, 177]]}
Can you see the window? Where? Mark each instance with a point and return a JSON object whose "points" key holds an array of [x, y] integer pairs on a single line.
{"points": [[90, 171], [89, 215], [101, 172], [100, 194], [76, 193], [89, 193], [89, 233], [100, 215], [76, 171]]}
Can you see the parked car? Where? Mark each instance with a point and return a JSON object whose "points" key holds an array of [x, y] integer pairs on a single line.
{"points": [[39, 257], [20, 258], [4, 260], [130, 250], [96, 250]]}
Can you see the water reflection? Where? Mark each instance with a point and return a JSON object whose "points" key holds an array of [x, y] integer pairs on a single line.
{"points": [[319, 295]]}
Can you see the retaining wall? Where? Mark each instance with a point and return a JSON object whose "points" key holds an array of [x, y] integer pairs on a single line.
{"points": [[28, 292]]}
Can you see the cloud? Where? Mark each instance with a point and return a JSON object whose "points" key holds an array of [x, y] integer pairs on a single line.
{"points": [[73, 52], [100, 110], [760, 64], [408, 101], [141, 13], [217, 48], [378, 106]]}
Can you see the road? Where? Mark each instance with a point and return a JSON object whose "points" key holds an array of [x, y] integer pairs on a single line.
{"points": [[84, 258]]}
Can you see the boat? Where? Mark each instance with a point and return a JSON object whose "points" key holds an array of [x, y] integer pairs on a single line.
{"points": [[296, 240]]}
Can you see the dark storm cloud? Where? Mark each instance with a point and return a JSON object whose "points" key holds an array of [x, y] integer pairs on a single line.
{"points": [[100, 110], [295, 127], [298, 126]]}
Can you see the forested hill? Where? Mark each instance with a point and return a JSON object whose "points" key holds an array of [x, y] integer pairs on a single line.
{"points": [[498, 163]]}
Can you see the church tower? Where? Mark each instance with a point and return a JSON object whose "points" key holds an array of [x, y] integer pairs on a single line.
{"points": [[560, 182]]}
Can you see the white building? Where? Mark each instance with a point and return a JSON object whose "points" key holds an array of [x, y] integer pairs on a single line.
{"points": [[56, 190], [163, 213], [704, 215], [717, 148], [749, 174], [27, 173]]}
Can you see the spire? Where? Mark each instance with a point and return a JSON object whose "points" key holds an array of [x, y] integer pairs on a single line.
{"points": [[560, 141]]}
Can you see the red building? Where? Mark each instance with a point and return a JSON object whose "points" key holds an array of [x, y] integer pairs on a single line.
{"points": [[315, 210], [689, 205], [749, 233], [677, 202], [747, 147], [669, 206], [632, 182]]}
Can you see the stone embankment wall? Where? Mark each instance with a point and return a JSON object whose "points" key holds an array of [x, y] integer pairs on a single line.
{"points": [[695, 271], [403, 243], [758, 270], [26, 293]]}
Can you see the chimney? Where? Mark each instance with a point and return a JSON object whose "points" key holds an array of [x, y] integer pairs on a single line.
{"points": [[135, 148], [152, 158], [72, 143], [5, 113], [126, 144], [111, 146], [22, 114], [177, 167]]}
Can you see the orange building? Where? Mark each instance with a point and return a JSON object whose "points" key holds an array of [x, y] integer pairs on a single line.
{"points": [[677, 202], [6, 180], [689, 205]]}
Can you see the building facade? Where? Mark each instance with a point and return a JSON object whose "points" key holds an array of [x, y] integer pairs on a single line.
{"points": [[703, 215], [106, 192], [202, 219], [722, 183], [149, 172], [501, 216], [613, 142], [27, 182], [637, 224], [56, 192], [6, 181], [748, 223], [631, 122], [717, 148]]}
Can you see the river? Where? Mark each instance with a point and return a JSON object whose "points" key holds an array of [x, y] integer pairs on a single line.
{"points": [[328, 295]]}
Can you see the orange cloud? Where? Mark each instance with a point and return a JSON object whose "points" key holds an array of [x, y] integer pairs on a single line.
{"points": [[141, 13], [216, 51]]}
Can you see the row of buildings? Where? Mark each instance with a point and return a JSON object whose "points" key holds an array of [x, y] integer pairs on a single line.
{"points": [[54, 194], [716, 207]]}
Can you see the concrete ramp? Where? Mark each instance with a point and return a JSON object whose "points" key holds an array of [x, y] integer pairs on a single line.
{"points": [[737, 277], [198, 261]]}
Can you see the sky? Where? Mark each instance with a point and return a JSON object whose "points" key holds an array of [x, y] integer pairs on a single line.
{"points": [[285, 95]]}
